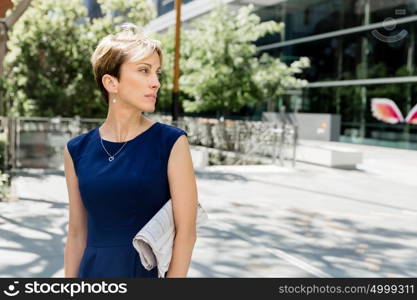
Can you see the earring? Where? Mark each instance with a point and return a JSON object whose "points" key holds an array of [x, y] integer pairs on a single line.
{"points": [[114, 100]]}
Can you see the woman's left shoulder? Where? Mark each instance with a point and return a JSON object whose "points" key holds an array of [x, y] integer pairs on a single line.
{"points": [[170, 135], [172, 131]]}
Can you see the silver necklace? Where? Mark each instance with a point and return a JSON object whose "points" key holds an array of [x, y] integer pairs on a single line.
{"points": [[111, 157]]}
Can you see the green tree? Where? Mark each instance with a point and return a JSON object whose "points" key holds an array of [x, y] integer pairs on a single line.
{"points": [[274, 78], [220, 70], [48, 70]]}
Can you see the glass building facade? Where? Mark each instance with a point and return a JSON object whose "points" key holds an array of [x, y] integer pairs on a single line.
{"points": [[359, 50]]}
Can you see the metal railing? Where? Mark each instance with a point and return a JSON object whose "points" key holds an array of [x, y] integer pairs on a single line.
{"points": [[36, 142], [246, 138]]}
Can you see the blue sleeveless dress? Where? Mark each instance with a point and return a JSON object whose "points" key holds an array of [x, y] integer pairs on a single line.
{"points": [[121, 196]]}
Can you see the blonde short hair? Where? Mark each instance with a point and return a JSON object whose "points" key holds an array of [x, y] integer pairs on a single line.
{"points": [[129, 44]]}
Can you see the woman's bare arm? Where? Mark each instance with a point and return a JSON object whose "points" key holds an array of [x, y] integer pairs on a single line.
{"points": [[184, 197], [77, 224]]}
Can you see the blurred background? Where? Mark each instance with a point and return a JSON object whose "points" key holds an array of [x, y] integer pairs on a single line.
{"points": [[302, 114]]}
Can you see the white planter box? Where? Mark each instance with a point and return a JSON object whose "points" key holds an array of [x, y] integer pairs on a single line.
{"points": [[199, 156], [330, 156]]}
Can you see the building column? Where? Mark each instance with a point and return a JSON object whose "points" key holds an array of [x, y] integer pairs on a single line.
{"points": [[364, 71], [339, 57], [410, 69]]}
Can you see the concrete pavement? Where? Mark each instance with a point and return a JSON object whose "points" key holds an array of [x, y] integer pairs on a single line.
{"points": [[265, 220]]}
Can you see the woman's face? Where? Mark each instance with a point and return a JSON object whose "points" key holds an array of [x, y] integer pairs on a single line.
{"points": [[139, 82]]}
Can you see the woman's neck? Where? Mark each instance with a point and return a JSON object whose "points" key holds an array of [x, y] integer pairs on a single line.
{"points": [[123, 126]]}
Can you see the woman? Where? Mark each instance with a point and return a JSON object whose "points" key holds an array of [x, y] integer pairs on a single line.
{"points": [[121, 173]]}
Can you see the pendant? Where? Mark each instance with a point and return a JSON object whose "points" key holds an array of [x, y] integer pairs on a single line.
{"points": [[111, 158]]}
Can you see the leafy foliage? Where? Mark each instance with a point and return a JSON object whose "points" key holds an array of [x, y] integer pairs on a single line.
{"points": [[220, 70], [48, 70]]}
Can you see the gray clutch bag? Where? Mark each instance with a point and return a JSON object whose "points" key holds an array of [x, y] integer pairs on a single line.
{"points": [[155, 240]]}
